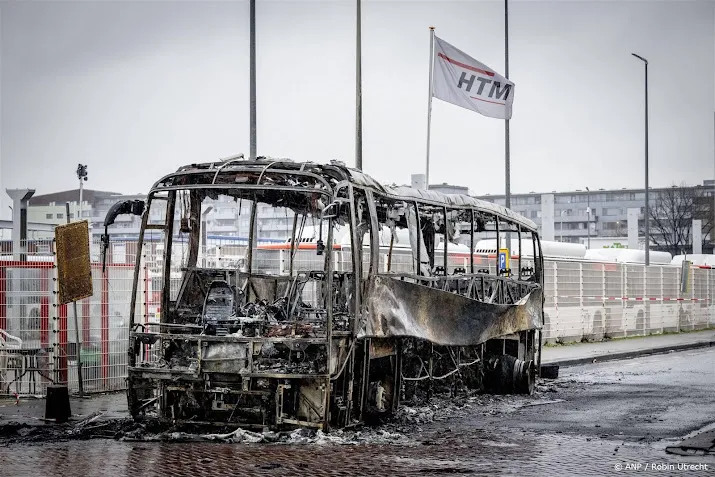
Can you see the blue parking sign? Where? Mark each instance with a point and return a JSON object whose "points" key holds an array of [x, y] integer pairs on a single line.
{"points": [[503, 259]]}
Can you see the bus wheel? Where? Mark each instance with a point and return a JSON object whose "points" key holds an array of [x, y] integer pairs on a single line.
{"points": [[524, 377], [507, 374]]}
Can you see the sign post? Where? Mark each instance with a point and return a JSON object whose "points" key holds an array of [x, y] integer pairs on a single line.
{"points": [[74, 274]]}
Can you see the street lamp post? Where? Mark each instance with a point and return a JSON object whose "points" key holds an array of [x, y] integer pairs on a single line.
{"points": [[588, 216], [82, 176], [647, 203], [561, 233], [252, 76], [358, 88]]}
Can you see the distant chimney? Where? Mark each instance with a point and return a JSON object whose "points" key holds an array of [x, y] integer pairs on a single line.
{"points": [[419, 181], [20, 198]]}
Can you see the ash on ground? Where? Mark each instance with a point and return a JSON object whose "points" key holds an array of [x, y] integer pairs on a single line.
{"points": [[394, 430], [441, 408]]}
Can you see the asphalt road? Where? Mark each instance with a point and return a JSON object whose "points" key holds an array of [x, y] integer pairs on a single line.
{"points": [[653, 397], [596, 419]]}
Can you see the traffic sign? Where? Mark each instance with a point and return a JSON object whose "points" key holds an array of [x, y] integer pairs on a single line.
{"points": [[503, 259]]}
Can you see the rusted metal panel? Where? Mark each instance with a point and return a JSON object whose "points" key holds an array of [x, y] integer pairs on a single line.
{"points": [[382, 348], [400, 308], [73, 262], [225, 358]]}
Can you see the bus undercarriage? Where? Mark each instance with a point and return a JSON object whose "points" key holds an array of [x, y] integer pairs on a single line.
{"points": [[314, 333]]}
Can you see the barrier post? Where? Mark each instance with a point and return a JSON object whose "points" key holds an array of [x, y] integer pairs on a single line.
{"points": [[580, 292], [147, 295], [693, 307], [624, 297], [51, 311], [679, 296], [709, 296], [556, 297], [104, 337], [603, 299], [86, 320], [3, 298], [646, 301], [61, 335], [59, 327], [45, 279], [662, 301]]}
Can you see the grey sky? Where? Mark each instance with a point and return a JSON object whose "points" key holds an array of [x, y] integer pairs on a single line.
{"points": [[135, 90]]}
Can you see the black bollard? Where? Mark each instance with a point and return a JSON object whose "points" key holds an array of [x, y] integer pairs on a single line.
{"points": [[57, 404], [549, 371]]}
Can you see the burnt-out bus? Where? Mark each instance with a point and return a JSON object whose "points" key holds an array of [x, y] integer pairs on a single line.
{"points": [[332, 333]]}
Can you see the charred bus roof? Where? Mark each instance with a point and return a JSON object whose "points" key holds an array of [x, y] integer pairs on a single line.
{"points": [[284, 174]]}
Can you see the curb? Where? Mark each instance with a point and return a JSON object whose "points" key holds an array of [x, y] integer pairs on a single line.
{"points": [[630, 354]]}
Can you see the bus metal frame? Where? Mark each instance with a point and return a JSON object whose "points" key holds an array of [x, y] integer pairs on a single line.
{"points": [[371, 338]]}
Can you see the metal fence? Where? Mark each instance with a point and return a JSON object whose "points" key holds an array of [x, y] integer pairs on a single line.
{"points": [[584, 300], [594, 300], [38, 344]]}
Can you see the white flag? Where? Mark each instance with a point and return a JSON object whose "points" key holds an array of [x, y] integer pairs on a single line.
{"points": [[460, 79]]}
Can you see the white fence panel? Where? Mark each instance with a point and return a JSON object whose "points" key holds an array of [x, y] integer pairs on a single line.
{"points": [[584, 300]]}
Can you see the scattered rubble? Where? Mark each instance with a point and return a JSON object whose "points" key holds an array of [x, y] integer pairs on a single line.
{"points": [[445, 407], [409, 418]]}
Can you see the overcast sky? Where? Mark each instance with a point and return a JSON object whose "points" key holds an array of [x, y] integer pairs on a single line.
{"points": [[137, 89]]}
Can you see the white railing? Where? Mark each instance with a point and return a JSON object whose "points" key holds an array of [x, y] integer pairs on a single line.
{"points": [[583, 300]]}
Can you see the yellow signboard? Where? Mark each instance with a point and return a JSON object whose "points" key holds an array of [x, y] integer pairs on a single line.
{"points": [[504, 259], [74, 271]]}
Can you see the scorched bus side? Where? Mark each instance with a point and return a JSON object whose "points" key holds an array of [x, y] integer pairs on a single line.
{"points": [[325, 335]]}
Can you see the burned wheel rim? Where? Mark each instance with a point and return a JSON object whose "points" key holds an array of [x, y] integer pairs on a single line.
{"points": [[511, 375], [524, 378]]}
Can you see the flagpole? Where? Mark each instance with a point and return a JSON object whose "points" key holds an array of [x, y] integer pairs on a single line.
{"points": [[429, 101], [507, 152], [358, 89], [252, 41]]}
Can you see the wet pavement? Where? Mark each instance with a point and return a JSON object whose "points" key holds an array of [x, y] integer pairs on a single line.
{"points": [[482, 453], [579, 353], [596, 419]]}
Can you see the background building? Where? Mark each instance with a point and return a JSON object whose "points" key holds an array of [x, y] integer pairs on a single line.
{"points": [[224, 218], [608, 218], [449, 189], [605, 212]]}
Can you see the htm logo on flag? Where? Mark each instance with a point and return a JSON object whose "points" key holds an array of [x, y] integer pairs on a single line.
{"points": [[460, 79]]}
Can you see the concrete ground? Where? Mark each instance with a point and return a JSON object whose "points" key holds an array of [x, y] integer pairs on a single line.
{"points": [[31, 411], [603, 418], [579, 353]]}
